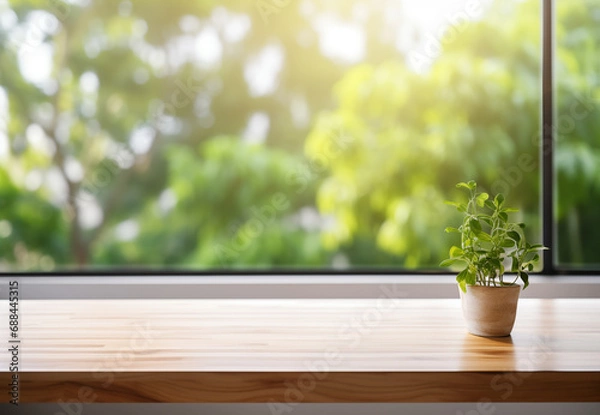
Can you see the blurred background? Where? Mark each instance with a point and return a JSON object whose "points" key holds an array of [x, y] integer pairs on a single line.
{"points": [[277, 134]]}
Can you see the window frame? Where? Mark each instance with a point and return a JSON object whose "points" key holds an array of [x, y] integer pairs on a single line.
{"points": [[547, 199], [547, 137]]}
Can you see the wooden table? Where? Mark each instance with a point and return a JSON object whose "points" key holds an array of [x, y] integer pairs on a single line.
{"points": [[287, 351]]}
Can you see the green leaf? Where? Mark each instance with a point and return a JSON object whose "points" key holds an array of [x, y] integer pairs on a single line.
{"points": [[507, 243], [490, 205], [471, 278], [495, 262], [469, 185], [455, 252], [515, 265], [484, 237], [463, 185], [461, 207], [503, 216], [475, 225], [486, 219], [514, 235], [450, 229], [461, 278], [481, 198], [449, 261], [463, 285], [499, 200], [525, 277]]}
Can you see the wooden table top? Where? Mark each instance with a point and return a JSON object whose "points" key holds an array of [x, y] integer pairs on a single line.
{"points": [[300, 350]]}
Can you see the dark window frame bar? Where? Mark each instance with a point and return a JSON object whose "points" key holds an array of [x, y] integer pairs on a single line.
{"points": [[547, 137]]}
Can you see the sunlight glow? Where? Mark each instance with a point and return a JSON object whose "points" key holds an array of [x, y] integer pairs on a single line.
{"points": [[37, 67], [141, 140], [127, 230], [341, 40], [262, 71], [258, 128], [208, 47], [37, 139]]}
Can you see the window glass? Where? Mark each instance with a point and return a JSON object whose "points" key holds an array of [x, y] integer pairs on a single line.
{"points": [[204, 135], [577, 134]]}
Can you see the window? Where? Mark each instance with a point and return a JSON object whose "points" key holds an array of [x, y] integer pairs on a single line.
{"points": [[292, 136], [577, 135]]}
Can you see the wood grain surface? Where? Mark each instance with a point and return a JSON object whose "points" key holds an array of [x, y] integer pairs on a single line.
{"points": [[300, 350]]}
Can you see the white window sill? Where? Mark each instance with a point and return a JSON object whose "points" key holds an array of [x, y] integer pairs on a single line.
{"points": [[279, 286]]}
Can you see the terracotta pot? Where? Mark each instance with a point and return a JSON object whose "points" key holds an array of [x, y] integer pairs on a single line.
{"points": [[490, 311]]}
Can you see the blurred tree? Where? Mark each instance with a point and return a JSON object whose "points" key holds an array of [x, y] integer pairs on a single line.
{"points": [[146, 134], [474, 114], [98, 92]]}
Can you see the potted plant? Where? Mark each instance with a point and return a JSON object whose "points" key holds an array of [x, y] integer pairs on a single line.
{"points": [[490, 244]]}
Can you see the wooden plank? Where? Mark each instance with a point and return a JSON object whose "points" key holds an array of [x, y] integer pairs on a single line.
{"points": [[337, 350], [292, 388]]}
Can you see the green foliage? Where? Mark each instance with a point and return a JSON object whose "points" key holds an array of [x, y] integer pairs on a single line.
{"points": [[194, 114], [488, 241], [382, 143], [411, 132], [31, 229], [242, 216]]}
